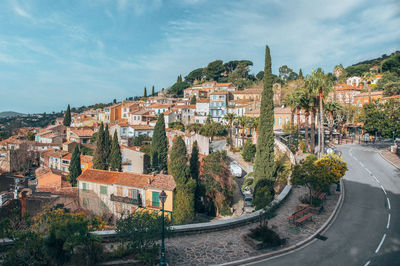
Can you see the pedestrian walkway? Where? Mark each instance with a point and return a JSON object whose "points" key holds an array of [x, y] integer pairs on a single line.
{"points": [[228, 245], [391, 157]]}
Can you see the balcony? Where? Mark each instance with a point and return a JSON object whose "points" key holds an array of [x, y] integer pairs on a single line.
{"points": [[127, 200]]}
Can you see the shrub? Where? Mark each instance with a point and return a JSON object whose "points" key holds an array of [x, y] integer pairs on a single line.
{"points": [[267, 236], [249, 151]]}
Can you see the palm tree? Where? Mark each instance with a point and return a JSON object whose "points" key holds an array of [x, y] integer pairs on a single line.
{"points": [[230, 117], [304, 103], [242, 121], [292, 100], [319, 85], [331, 108]]}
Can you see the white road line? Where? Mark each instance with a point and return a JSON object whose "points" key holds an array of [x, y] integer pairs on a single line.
{"points": [[368, 262], [384, 191], [376, 179], [388, 201], [363, 165], [369, 172], [380, 244], [388, 222]]}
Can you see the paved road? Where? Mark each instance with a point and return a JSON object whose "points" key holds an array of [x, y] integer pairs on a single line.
{"points": [[367, 229]]}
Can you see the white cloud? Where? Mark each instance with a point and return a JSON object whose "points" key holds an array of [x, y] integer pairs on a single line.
{"points": [[21, 12]]}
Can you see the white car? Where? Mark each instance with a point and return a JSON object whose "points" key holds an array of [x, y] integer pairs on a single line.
{"points": [[236, 170]]}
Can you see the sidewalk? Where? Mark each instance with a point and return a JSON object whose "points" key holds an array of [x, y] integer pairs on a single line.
{"points": [[391, 157]]}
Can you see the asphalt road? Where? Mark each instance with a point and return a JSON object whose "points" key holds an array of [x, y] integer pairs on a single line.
{"points": [[367, 229]]}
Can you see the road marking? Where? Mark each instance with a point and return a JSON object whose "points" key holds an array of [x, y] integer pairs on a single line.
{"points": [[388, 201], [376, 179], [369, 172], [384, 191], [380, 244], [388, 223], [363, 165], [368, 262]]}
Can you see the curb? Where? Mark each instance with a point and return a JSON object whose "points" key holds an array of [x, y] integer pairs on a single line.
{"points": [[380, 153], [300, 244]]}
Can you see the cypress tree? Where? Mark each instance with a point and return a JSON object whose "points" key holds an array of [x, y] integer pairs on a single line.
{"points": [[194, 161], [184, 206], [107, 147], [193, 100], [116, 157], [264, 159], [67, 117], [145, 92], [300, 74], [152, 91], [177, 165], [99, 157], [75, 166], [159, 146]]}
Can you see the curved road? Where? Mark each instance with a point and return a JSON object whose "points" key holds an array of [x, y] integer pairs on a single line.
{"points": [[366, 230]]}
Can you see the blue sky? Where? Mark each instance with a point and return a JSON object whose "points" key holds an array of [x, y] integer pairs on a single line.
{"points": [[82, 52]]}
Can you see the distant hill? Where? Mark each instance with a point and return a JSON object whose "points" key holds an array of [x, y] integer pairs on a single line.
{"points": [[9, 114]]}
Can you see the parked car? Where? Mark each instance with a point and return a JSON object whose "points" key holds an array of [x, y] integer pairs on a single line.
{"points": [[236, 170]]}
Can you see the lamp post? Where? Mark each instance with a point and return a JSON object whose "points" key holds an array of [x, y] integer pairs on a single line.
{"points": [[393, 136], [163, 198]]}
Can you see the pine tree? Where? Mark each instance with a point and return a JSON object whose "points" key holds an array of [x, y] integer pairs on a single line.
{"points": [[99, 157], [145, 92], [194, 162], [107, 147], [300, 74], [159, 146], [75, 166], [116, 157], [264, 159], [152, 91], [179, 79], [67, 117], [193, 100]]}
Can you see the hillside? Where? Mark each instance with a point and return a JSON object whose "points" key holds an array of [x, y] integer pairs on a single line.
{"points": [[9, 114]]}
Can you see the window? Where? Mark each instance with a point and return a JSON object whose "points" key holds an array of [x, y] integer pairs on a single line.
{"points": [[133, 193], [119, 191], [118, 208], [103, 190], [85, 186], [155, 199], [280, 121], [85, 202], [82, 166]]}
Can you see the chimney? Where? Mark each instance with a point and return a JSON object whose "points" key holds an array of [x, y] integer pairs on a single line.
{"points": [[149, 180]]}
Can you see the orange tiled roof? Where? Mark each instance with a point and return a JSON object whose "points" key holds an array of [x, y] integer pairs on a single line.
{"points": [[223, 84], [373, 93], [83, 132], [342, 87], [128, 179]]}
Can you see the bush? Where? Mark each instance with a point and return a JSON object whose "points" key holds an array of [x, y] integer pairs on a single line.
{"points": [[249, 151], [263, 193], [267, 236]]}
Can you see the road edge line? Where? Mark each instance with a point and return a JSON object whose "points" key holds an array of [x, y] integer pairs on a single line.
{"points": [[301, 244], [380, 153]]}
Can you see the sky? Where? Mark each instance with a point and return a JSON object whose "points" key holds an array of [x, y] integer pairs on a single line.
{"points": [[81, 52]]}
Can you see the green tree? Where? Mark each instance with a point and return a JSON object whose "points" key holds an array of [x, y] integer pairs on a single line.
{"points": [[263, 193], [286, 74], [116, 157], [177, 89], [230, 118], [300, 74], [249, 151], [179, 79], [260, 75], [240, 77], [99, 157], [107, 147], [145, 92], [74, 166], [159, 146], [153, 93], [186, 186], [193, 100], [392, 64], [196, 74], [30, 136], [264, 158], [194, 161], [67, 117], [177, 166], [214, 70]]}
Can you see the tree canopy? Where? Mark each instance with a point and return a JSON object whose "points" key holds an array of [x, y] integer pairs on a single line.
{"points": [[67, 117]]}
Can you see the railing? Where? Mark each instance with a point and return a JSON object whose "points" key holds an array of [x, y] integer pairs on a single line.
{"points": [[127, 200], [149, 204]]}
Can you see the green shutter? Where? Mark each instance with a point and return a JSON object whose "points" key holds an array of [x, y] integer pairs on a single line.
{"points": [[84, 186], [156, 199], [103, 190]]}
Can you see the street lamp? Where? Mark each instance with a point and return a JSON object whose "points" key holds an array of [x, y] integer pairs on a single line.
{"points": [[393, 136], [163, 198]]}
